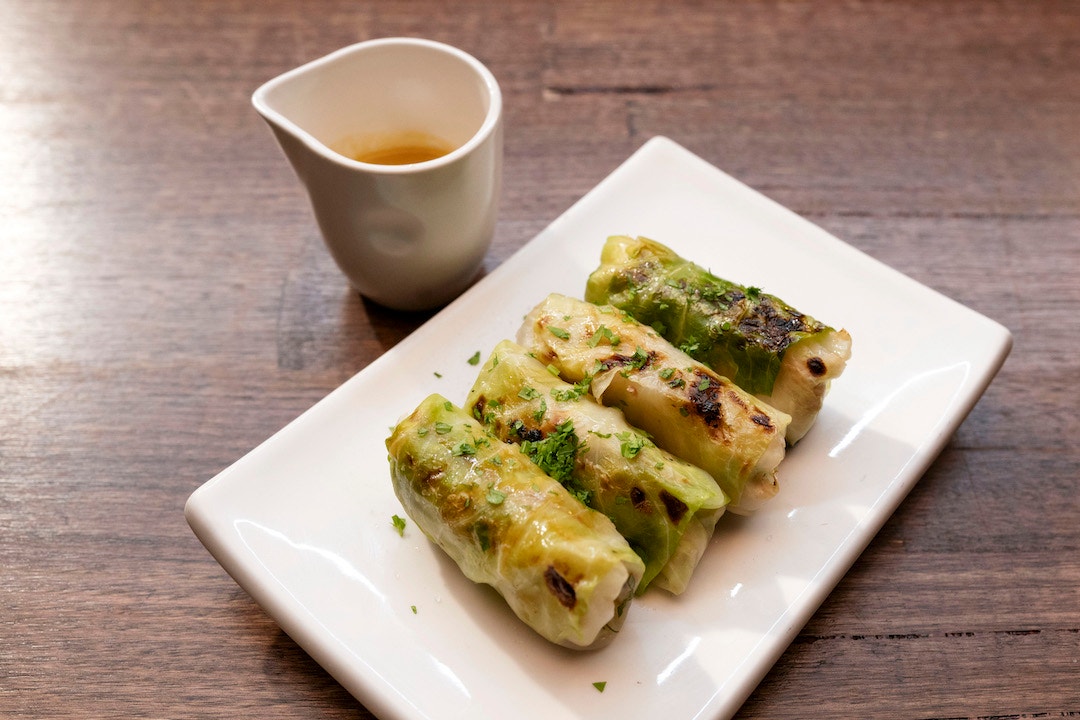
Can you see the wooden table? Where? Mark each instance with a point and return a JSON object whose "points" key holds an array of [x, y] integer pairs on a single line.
{"points": [[166, 304]]}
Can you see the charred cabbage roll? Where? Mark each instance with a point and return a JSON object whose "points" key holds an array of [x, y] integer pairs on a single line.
{"points": [[563, 568], [688, 409], [665, 507], [764, 345]]}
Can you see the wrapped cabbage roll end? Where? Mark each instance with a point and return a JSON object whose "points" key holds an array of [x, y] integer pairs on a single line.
{"points": [[808, 369], [562, 568]]}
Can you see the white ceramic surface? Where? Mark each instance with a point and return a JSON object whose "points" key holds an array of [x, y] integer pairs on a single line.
{"points": [[411, 236], [303, 522]]}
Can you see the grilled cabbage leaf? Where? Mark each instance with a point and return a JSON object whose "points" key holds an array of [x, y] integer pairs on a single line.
{"points": [[688, 409], [562, 567], [764, 345], [665, 507]]}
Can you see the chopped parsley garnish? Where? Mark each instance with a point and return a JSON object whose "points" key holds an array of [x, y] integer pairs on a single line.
{"points": [[556, 453], [630, 444], [704, 384], [581, 387], [538, 415], [442, 428], [753, 292], [448, 406], [666, 373], [475, 359], [495, 497], [580, 493], [438, 374], [603, 333], [690, 347], [600, 685], [413, 608], [422, 432], [399, 524], [559, 333], [464, 448], [638, 359], [528, 393]]}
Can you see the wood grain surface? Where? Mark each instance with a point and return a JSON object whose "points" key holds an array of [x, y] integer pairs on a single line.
{"points": [[166, 304]]}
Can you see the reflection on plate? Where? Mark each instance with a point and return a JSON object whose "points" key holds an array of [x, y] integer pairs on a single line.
{"points": [[303, 522]]}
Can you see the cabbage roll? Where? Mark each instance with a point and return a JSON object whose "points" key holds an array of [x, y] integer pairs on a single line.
{"points": [[562, 567], [764, 345], [688, 409], [665, 507]]}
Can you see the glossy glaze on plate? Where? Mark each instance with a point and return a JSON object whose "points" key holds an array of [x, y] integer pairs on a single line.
{"points": [[303, 521]]}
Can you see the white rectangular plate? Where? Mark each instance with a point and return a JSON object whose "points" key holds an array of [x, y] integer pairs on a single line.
{"points": [[303, 522]]}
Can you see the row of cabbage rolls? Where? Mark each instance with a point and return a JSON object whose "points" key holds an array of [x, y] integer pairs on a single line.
{"points": [[593, 457]]}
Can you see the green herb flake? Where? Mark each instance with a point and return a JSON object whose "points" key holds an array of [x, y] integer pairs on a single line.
{"points": [[559, 333], [528, 393], [437, 374], [630, 444], [639, 359], [690, 347], [581, 494], [475, 359], [600, 685], [538, 415], [553, 370], [603, 333], [580, 388], [413, 608], [556, 453], [463, 449], [704, 384], [448, 406], [399, 524], [495, 497], [422, 432], [666, 373], [442, 428]]}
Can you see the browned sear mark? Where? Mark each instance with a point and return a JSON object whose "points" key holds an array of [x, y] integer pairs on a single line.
{"points": [[640, 501], [762, 419], [816, 366], [560, 587], [676, 508], [703, 397]]}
